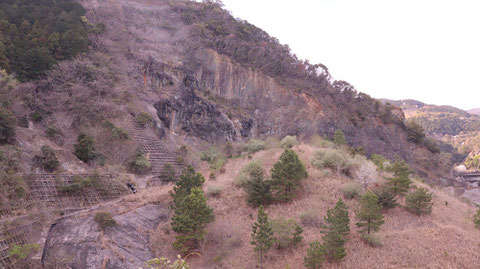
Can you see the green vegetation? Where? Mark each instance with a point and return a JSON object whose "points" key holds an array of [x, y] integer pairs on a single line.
{"points": [[262, 235], [216, 160], [373, 240], [351, 190], [144, 120], [414, 131], [104, 220], [255, 145], [315, 256], [419, 202], [286, 175], [168, 173], [139, 163], [258, 190], [85, 148], [214, 191], [191, 216], [370, 214], [189, 179], [54, 134], [48, 160], [473, 162], [288, 142], [386, 197], [400, 183], [255, 167], [380, 161], [476, 218], [336, 160], [286, 232], [21, 252], [337, 219], [7, 125], [339, 138], [36, 34], [334, 245], [80, 183]]}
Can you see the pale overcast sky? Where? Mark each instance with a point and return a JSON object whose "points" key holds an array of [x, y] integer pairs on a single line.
{"points": [[428, 50]]}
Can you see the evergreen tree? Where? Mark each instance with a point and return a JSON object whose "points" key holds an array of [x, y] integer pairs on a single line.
{"points": [[370, 214], [419, 202], [334, 246], [337, 219], [258, 189], [191, 216], [286, 174], [386, 197], [48, 159], [189, 179], [476, 218], [315, 256], [339, 138], [262, 235], [85, 148], [400, 183]]}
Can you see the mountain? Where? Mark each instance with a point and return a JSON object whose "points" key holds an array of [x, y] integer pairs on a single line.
{"points": [[474, 111], [164, 85]]}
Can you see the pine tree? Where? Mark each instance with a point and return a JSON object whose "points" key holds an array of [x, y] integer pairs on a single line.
{"points": [[337, 219], [286, 174], [370, 214], [168, 173], [386, 197], [85, 148], [419, 202], [189, 179], [400, 183], [191, 216], [315, 256], [258, 190], [262, 235], [339, 138], [334, 246]]}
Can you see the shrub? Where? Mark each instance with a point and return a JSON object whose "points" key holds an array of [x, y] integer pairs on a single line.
{"points": [[80, 182], [168, 173], [255, 145], [54, 133], [288, 142], [144, 120], [432, 145], [336, 160], [7, 125], [140, 163], [214, 191], [351, 190], [309, 219], [21, 252], [85, 148], [23, 122], [286, 232], [48, 160], [104, 220], [339, 138], [419, 202], [415, 132], [119, 133], [476, 218], [244, 174], [374, 240]]}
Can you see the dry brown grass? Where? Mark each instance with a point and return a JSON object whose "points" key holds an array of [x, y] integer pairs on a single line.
{"points": [[445, 239]]}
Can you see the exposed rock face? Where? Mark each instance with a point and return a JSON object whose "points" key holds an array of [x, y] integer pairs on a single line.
{"points": [[77, 242], [473, 195]]}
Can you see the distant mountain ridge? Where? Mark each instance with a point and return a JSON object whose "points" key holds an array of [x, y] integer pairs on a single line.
{"points": [[474, 111]]}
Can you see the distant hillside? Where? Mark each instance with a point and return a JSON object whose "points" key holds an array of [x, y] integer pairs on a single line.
{"points": [[439, 121], [474, 111]]}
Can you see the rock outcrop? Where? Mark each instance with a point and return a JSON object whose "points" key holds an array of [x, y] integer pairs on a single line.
{"points": [[77, 242]]}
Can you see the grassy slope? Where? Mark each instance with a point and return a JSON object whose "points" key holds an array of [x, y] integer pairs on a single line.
{"points": [[445, 239]]}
